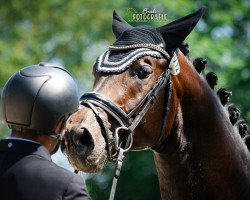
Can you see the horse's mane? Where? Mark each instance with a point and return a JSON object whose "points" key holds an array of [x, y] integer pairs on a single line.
{"points": [[231, 109]]}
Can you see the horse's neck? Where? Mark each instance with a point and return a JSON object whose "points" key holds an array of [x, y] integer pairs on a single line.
{"points": [[205, 157], [172, 172]]}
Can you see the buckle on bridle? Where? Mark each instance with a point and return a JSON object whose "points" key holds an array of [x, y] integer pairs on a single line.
{"points": [[128, 142]]}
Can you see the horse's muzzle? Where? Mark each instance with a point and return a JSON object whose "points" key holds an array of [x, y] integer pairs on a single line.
{"points": [[78, 141]]}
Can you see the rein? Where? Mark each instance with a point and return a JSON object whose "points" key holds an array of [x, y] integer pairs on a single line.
{"points": [[128, 122]]}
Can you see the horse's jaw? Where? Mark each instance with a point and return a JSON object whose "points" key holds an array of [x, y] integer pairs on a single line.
{"points": [[83, 143]]}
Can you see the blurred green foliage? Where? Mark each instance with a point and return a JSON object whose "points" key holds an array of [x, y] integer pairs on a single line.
{"points": [[75, 32]]}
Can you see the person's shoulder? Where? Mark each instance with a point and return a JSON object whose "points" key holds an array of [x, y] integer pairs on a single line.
{"points": [[60, 170], [75, 185], [47, 168], [76, 189]]}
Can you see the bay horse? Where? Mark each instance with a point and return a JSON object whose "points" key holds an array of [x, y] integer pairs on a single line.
{"points": [[148, 95]]}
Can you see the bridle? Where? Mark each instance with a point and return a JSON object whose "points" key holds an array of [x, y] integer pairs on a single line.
{"points": [[128, 122], [93, 99]]}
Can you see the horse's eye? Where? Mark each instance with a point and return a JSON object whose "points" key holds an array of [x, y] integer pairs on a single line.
{"points": [[144, 71]]}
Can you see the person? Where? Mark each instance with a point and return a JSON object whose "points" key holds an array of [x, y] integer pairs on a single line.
{"points": [[36, 102]]}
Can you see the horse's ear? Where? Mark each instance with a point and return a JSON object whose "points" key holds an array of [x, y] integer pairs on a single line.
{"points": [[175, 32], [119, 25]]}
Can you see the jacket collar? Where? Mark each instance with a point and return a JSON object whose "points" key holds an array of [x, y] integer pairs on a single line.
{"points": [[24, 147]]}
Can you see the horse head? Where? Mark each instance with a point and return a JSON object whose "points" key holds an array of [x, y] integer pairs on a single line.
{"points": [[133, 103]]}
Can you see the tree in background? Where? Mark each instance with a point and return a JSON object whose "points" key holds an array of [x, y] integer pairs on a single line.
{"points": [[74, 33]]}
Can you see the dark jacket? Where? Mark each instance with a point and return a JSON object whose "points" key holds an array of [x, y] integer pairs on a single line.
{"points": [[28, 173]]}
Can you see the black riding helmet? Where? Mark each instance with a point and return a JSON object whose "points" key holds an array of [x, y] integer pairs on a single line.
{"points": [[37, 97]]}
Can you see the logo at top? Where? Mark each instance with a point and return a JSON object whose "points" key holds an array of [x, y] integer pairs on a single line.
{"points": [[146, 15]]}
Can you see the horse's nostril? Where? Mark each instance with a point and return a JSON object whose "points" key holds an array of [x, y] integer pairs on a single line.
{"points": [[85, 140], [78, 141]]}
